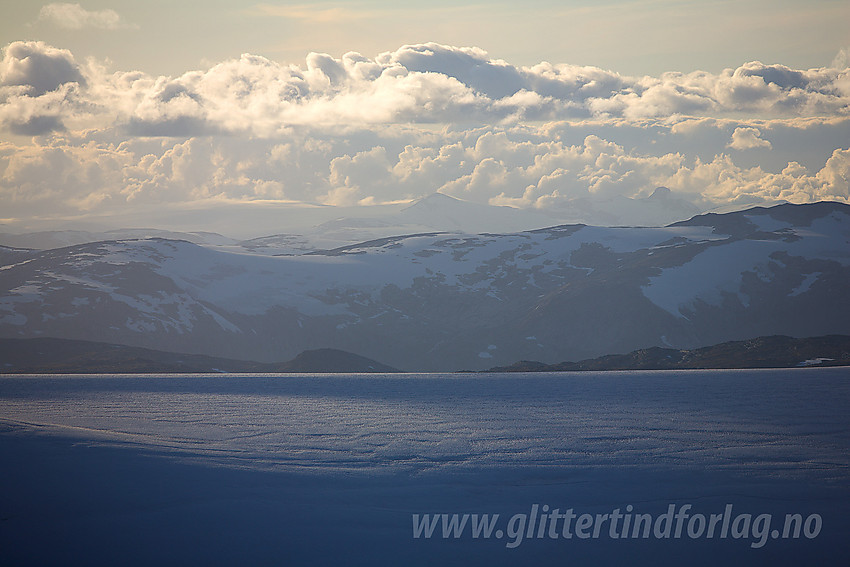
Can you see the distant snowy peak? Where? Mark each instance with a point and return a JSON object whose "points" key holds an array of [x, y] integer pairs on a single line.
{"points": [[663, 202], [434, 213], [445, 213], [435, 200], [658, 209]]}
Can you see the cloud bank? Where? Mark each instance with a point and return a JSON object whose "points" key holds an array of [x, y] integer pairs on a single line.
{"points": [[356, 130], [75, 17]]}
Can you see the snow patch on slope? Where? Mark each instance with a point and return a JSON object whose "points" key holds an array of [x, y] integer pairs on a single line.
{"points": [[714, 271], [767, 223], [719, 269], [806, 284]]}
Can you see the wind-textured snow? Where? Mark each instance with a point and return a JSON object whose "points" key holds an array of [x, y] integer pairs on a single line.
{"points": [[329, 469], [413, 423]]}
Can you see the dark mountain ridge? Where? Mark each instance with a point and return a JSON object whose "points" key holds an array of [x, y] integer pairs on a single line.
{"points": [[63, 356], [761, 352]]}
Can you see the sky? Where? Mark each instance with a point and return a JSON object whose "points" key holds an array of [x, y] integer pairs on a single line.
{"points": [[120, 109]]}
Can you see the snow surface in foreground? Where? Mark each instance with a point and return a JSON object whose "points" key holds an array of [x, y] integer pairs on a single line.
{"points": [[321, 470], [421, 423]]}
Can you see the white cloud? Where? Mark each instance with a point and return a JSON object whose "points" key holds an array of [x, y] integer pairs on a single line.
{"points": [[39, 88], [38, 67], [518, 166], [75, 17], [747, 139], [312, 13], [426, 83], [356, 130]]}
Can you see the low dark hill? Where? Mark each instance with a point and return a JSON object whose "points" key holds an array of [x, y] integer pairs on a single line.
{"points": [[64, 356], [331, 360], [763, 352]]}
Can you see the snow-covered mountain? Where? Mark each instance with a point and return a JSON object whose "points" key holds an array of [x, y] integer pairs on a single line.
{"points": [[447, 301], [298, 230], [434, 213], [47, 239]]}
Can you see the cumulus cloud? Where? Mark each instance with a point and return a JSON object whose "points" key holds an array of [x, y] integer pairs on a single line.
{"points": [[747, 139], [75, 17], [39, 88], [355, 130], [425, 83], [471, 66], [35, 125], [528, 167], [38, 67]]}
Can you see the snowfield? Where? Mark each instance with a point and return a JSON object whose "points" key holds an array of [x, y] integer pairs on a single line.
{"points": [[329, 469]]}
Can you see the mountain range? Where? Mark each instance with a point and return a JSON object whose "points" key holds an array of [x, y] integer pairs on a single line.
{"points": [[442, 300], [301, 228], [66, 356]]}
